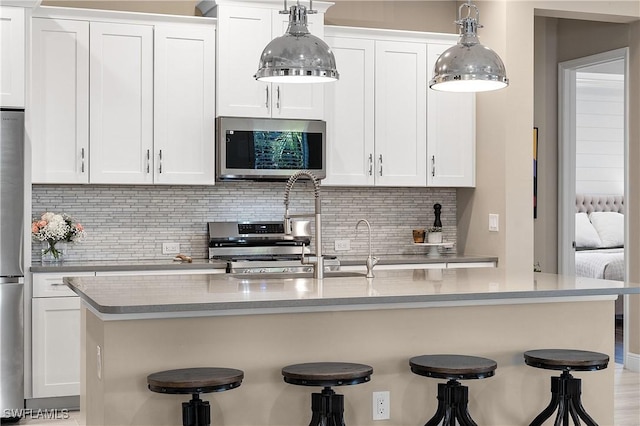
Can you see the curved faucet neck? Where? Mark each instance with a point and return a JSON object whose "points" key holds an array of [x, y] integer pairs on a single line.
{"points": [[319, 262]]}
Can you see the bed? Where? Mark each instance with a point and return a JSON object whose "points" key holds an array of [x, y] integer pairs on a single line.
{"points": [[599, 238]]}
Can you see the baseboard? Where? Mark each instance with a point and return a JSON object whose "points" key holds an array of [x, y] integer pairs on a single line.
{"points": [[63, 402], [632, 362]]}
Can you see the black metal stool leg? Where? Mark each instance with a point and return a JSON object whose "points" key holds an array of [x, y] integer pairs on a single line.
{"points": [[555, 401], [565, 397], [453, 405], [337, 410], [196, 412], [461, 406], [327, 408], [574, 390], [441, 411]]}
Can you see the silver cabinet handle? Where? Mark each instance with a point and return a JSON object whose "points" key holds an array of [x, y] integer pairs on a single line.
{"points": [[370, 164], [266, 104], [160, 165], [148, 160], [82, 158], [380, 159], [278, 97], [433, 165]]}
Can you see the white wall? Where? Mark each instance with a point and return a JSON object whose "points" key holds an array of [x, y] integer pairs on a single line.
{"points": [[599, 133]]}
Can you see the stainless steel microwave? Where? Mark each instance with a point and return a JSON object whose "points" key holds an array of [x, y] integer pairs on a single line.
{"points": [[269, 148]]}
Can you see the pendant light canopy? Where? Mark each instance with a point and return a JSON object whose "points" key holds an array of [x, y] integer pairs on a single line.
{"points": [[469, 66], [297, 56]]}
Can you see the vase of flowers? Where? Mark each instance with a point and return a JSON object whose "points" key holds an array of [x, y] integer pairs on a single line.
{"points": [[54, 230]]}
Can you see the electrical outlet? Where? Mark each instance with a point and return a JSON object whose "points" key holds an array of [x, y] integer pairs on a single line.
{"points": [[381, 404], [342, 245], [170, 248]]}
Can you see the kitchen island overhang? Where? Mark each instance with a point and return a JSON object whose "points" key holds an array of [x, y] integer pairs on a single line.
{"points": [[491, 325], [143, 296]]}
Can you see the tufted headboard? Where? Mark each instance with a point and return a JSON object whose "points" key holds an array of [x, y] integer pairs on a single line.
{"points": [[599, 203]]}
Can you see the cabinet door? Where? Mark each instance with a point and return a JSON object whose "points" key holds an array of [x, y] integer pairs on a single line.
{"points": [[298, 100], [243, 32], [60, 111], [400, 116], [56, 346], [451, 145], [349, 112], [184, 104], [12, 48], [121, 103]]}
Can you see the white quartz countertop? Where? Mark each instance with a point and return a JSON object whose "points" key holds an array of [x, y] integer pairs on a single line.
{"points": [[229, 294]]}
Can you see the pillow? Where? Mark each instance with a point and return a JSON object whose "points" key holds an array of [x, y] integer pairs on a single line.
{"points": [[610, 227], [586, 234]]}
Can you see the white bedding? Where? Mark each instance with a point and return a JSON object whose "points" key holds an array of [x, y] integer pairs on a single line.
{"points": [[601, 263]]}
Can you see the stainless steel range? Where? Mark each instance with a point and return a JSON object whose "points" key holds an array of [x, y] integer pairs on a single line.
{"points": [[263, 247]]}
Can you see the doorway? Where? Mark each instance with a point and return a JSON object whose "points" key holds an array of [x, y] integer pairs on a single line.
{"points": [[593, 145]]}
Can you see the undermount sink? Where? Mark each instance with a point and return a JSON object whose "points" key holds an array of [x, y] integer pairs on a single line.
{"points": [[290, 275]]}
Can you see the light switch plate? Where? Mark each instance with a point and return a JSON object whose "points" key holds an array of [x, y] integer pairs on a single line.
{"points": [[494, 222]]}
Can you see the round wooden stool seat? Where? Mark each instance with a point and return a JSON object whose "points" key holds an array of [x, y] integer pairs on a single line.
{"points": [[453, 367], [327, 407], [566, 390], [566, 359], [453, 398], [195, 380], [327, 374]]}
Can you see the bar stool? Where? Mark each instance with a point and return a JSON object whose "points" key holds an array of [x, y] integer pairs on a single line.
{"points": [[327, 407], [565, 390], [453, 397], [195, 381]]}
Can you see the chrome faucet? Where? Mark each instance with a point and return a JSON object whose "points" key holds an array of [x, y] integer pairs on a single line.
{"points": [[371, 260], [318, 264]]}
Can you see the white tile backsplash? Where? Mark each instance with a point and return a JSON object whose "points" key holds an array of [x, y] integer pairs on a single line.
{"points": [[131, 221]]}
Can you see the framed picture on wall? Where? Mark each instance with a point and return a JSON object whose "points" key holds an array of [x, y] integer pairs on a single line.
{"points": [[535, 172]]}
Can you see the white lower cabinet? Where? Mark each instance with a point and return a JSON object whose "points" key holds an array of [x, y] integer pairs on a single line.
{"points": [[55, 337], [56, 349], [55, 334]]}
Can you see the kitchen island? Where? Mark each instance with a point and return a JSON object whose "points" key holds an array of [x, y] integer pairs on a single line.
{"points": [[133, 326]]}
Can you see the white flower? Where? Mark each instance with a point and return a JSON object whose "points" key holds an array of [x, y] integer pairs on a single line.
{"points": [[54, 227]]}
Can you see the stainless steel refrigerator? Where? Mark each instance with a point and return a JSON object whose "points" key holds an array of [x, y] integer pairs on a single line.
{"points": [[12, 224]]}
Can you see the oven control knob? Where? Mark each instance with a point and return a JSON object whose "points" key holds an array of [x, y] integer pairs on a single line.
{"points": [[262, 271]]}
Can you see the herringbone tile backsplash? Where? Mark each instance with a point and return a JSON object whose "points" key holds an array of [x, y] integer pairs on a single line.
{"points": [[132, 222]]}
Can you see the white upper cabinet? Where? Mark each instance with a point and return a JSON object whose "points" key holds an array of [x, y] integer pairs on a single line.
{"points": [[384, 126], [121, 103], [243, 33], [349, 111], [451, 146], [376, 112], [401, 108], [60, 110], [184, 105], [12, 55]]}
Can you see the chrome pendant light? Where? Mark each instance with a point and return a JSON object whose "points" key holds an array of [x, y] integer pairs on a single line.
{"points": [[469, 66], [297, 56]]}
